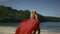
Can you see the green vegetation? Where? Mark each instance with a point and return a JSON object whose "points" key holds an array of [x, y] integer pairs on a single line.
{"points": [[7, 14], [53, 19]]}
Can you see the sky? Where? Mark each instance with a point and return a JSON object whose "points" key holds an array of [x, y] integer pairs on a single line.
{"points": [[43, 7]]}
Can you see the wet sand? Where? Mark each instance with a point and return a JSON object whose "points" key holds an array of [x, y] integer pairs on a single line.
{"points": [[11, 30]]}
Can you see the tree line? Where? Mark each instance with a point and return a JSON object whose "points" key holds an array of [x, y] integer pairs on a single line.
{"points": [[7, 14]]}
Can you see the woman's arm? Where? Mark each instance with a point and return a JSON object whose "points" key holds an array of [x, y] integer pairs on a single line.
{"points": [[36, 17]]}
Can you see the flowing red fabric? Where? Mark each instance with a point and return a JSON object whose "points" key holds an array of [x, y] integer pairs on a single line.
{"points": [[27, 26]]}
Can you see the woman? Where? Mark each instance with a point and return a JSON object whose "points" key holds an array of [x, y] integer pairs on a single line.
{"points": [[33, 15], [27, 26]]}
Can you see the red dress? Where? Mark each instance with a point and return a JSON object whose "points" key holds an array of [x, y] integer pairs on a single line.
{"points": [[27, 26]]}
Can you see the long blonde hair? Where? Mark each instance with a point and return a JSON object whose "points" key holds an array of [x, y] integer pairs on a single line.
{"points": [[33, 14]]}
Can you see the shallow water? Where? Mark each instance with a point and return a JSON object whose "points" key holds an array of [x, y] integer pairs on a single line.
{"points": [[9, 28], [50, 26]]}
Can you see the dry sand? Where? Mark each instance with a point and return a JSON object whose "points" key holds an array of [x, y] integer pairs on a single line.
{"points": [[11, 30]]}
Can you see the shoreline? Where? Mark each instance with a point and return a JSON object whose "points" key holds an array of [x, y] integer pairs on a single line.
{"points": [[11, 30]]}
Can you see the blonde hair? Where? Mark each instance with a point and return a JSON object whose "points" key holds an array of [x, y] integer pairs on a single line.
{"points": [[32, 14]]}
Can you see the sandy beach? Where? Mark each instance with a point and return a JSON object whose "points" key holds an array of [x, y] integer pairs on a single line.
{"points": [[11, 30], [8, 28]]}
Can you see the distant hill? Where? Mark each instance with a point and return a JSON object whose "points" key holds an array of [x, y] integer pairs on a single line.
{"points": [[7, 14], [53, 19]]}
